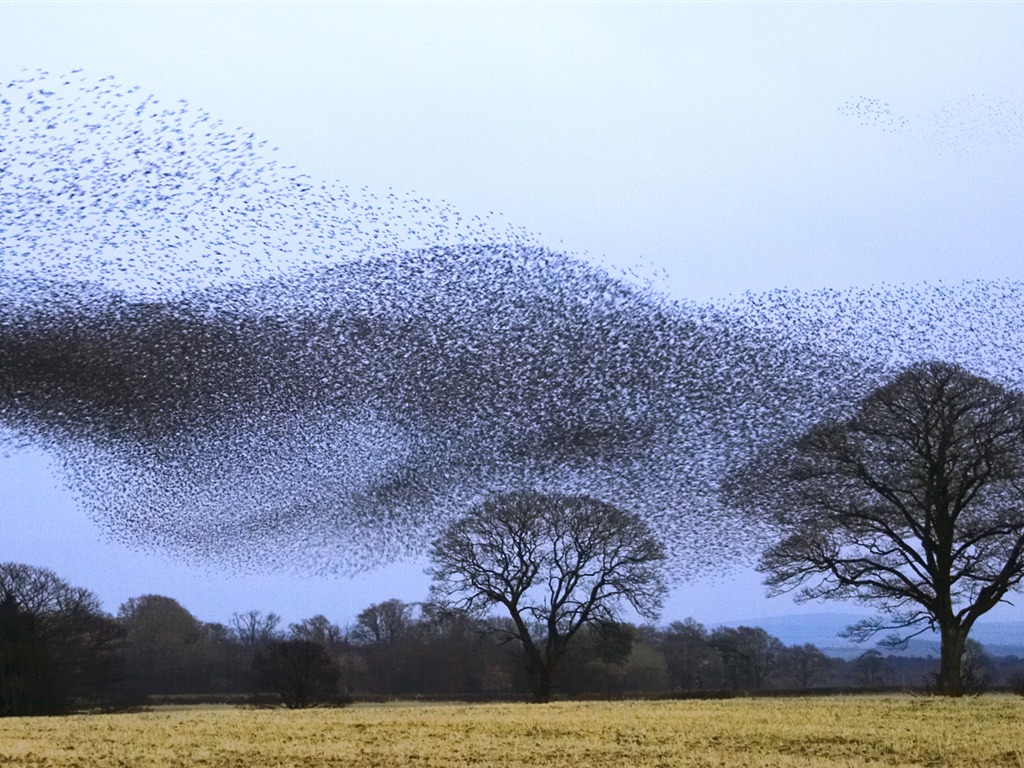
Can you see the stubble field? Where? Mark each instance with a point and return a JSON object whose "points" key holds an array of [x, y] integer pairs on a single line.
{"points": [[986, 732]]}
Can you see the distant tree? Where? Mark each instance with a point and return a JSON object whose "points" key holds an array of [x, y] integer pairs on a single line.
{"points": [[216, 632], [24, 662], [646, 668], [164, 645], [252, 631], [870, 669], [805, 664], [979, 668], [749, 655], [255, 628], [456, 654], [386, 635], [226, 668], [319, 630], [613, 658], [302, 672], [58, 650], [554, 563], [383, 623], [914, 504], [693, 664], [594, 660]]}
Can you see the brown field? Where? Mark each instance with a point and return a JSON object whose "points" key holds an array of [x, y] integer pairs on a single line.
{"points": [[987, 732]]}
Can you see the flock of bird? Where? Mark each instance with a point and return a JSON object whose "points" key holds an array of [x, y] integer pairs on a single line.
{"points": [[962, 126], [874, 113], [238, 364]]}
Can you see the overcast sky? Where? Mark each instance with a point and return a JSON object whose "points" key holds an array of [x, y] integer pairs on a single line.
{"points": [[712, 148]]}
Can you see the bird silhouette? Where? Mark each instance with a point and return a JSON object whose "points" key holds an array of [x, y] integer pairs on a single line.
{"points": [[240, 364]]}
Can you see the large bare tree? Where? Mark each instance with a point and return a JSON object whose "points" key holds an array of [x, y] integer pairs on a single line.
{"points": [[915, 504], [58, 650], [554, 563]]}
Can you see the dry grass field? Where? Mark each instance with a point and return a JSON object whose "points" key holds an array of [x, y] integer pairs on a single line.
{"points": [[986, 732]]}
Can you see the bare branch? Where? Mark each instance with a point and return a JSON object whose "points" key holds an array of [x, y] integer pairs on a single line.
{"points": [[914, 504], [554, 562]]}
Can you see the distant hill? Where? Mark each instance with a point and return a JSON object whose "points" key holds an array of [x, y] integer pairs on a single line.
{"points": [[1000, 638]]}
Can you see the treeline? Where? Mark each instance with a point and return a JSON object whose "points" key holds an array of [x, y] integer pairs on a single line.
{"points": [[59, 652]]}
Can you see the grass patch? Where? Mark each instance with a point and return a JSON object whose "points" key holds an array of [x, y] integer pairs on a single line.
{"points": [[831, 732]]}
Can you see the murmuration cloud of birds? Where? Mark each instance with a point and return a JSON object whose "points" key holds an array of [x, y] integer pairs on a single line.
{"points": [[237, 364], [964, 125]]}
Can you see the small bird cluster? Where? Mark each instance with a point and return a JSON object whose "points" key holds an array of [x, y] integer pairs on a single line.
{"points": [[240, 365], [978, 121], [964, 125], [874, 113]]}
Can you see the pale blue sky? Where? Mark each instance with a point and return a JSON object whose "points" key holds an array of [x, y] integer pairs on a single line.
{"points": [[714, 148]]}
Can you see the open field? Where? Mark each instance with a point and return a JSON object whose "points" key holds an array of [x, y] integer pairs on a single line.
{"points": [[843, 731]]}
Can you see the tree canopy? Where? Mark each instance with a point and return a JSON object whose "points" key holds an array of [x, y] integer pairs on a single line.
{"points": [[56, 646], [554, 563], [914, 504]]}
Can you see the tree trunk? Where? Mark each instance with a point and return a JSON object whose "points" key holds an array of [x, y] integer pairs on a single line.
{"points": [[539, 666], [951, 678], [542, 684]]}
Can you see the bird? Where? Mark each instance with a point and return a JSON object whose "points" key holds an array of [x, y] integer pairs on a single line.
{"points": [[238, 363]]}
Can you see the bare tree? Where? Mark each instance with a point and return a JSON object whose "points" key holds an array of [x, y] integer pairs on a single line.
{"points": [[750, 656], [554, 563], [164, 648], [806, 664], [318, 629], [383, 623], [979, 668], [255, 628], [58, 650], [302, 672], [914, 504], [871, 669], [692, 662], [41, 592]]}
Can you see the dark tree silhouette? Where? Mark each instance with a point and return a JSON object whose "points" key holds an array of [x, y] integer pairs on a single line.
{"points": [[387, 634], [164, 653], [914, 504], [23, 663], [692, 662], [302, 672], [979, 668], [320, 630], [254, 628], [750, 656], [383, 623], [57, 649], [871, 669], [554, 563], [806, 665]]}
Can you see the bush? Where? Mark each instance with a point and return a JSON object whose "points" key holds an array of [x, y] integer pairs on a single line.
{"points": [[302, 673]]}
